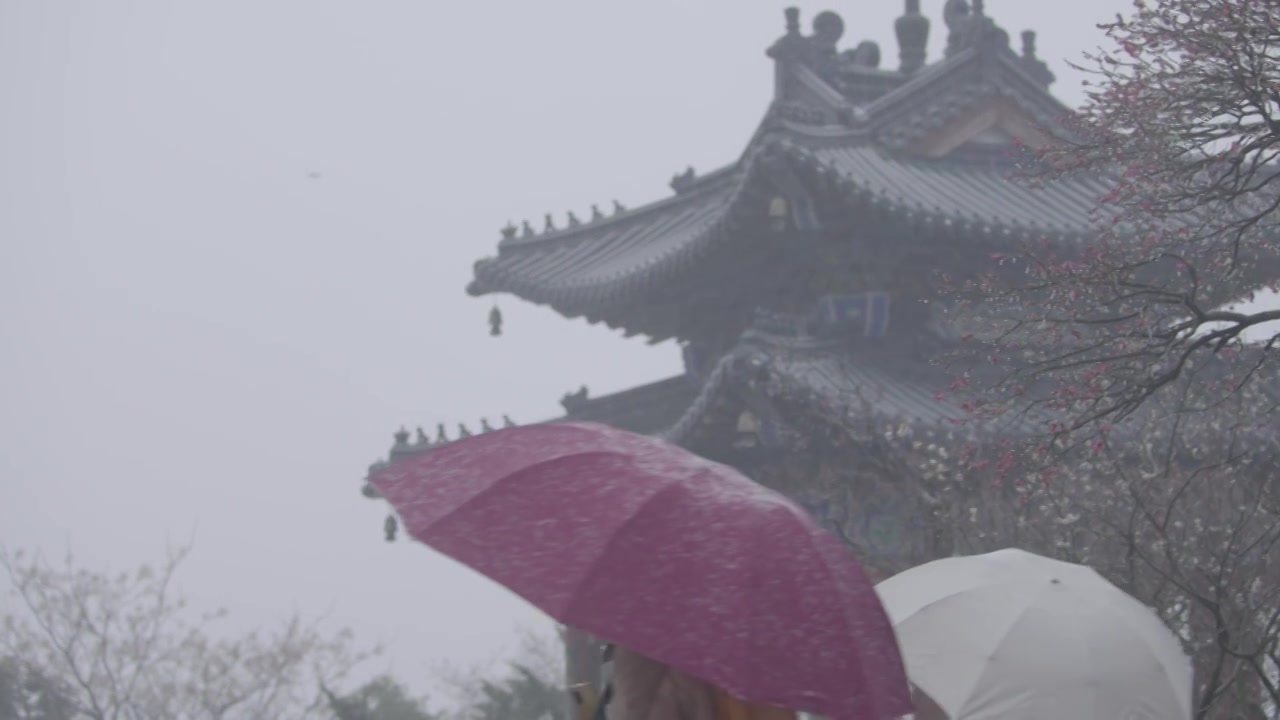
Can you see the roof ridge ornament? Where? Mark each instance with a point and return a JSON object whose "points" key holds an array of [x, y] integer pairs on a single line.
{"points": [[1038, 69], [401, 445], [865, 55], [828, 28], [912, 29], [818, 51], [969, 26], [575, 400], [682, 182]]}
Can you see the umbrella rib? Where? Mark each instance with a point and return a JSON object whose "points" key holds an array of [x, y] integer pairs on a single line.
{"points": [[595, 566], [980, 676]]}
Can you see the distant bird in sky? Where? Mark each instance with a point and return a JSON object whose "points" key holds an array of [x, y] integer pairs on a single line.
{"points": [[314, 174]]}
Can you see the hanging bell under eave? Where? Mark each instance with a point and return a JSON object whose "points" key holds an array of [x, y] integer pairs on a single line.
{"points": [[495, 321], [779, 211], [748, 430]]}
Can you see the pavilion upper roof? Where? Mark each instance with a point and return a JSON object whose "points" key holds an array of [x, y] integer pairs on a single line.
{"points": [[926, 147]]}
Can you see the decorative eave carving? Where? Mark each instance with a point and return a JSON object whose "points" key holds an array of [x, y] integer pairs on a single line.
{"points": [[406, 445]]}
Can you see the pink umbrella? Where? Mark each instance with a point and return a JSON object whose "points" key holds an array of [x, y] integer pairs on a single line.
{"points": [[649, 546]]}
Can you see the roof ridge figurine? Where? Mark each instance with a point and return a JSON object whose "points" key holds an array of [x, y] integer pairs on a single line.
{"points": [[969, 27], [681, 182], [912, 30], [1037, 68]]}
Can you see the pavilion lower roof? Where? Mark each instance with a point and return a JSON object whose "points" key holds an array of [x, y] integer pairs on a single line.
{"points": [[893, 383]]}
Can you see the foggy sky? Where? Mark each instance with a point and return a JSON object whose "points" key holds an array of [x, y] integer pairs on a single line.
{"points": [[198, 337]]}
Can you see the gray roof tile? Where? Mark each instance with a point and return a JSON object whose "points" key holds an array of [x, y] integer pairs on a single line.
{"points": [[987, 194], [893, 382], [647, 409], [614, 261]]}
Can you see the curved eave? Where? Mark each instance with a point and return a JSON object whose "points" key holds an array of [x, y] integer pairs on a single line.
{"points": [[590, 268], [587, 273]]}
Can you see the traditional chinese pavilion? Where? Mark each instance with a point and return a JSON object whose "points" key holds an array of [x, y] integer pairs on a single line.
{"points": [[798, 278]]}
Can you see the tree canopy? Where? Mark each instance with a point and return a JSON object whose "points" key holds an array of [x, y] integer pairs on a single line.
{"points": [[1153, 388], [84, 644]]}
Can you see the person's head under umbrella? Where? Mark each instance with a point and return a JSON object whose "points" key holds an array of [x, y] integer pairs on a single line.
{"points": [[645, 689]]}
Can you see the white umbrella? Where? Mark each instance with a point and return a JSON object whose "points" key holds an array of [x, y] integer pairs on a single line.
{"points": [[1013, 635]]}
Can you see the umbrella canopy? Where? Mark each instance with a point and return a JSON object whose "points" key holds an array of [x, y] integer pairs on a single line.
{"points": [[1011, 634], [652, 547]]}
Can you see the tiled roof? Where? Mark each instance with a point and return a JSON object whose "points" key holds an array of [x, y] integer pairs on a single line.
{"points": [[595, 261], [988, 196], [647, 409], [617, 260], [861, 136], [946, 90], [892, 382], [897, 385]]}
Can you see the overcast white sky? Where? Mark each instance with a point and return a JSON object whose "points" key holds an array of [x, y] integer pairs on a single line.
{"points": [[197, 336]]}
